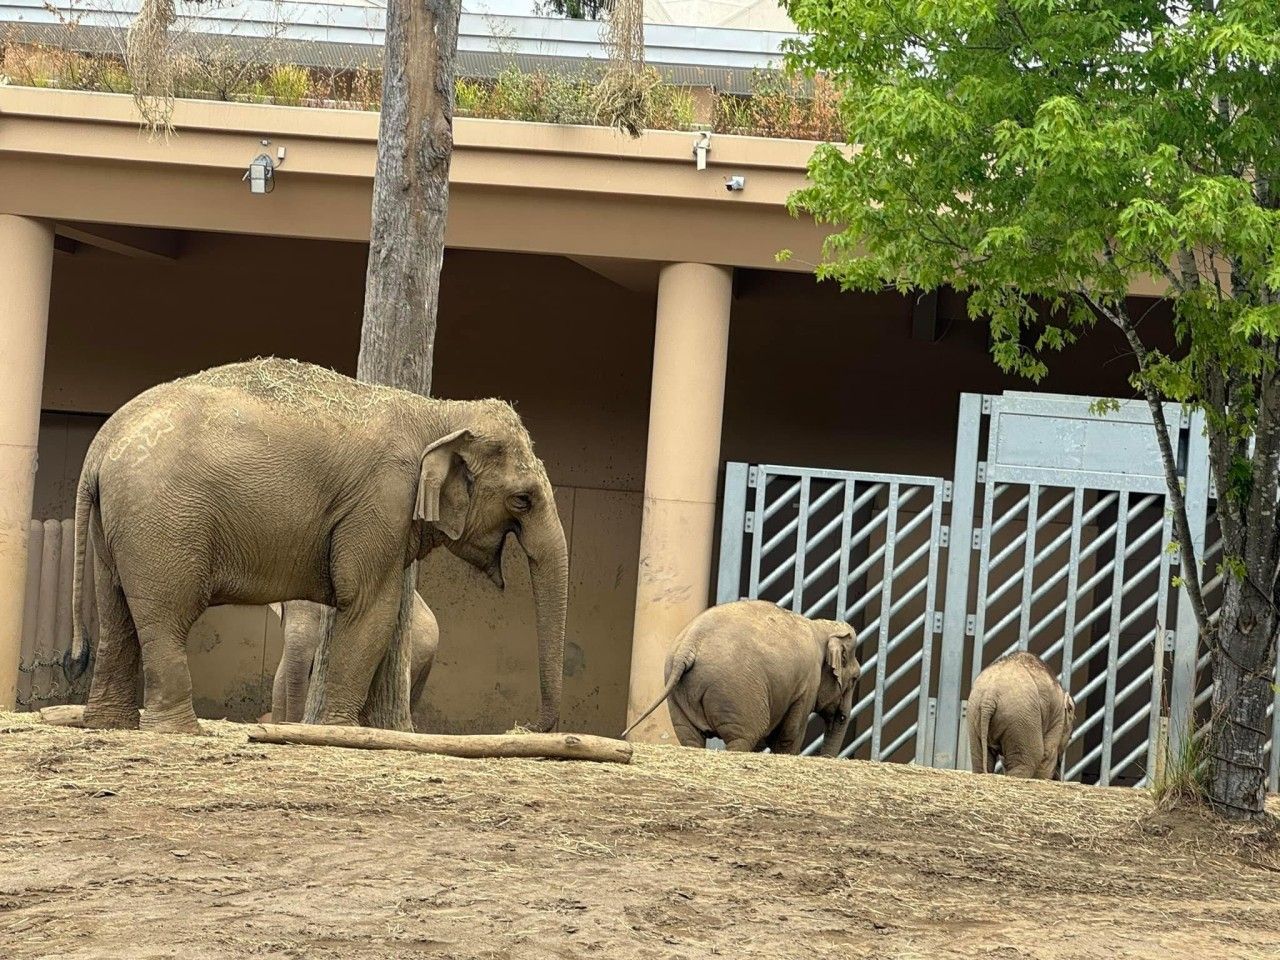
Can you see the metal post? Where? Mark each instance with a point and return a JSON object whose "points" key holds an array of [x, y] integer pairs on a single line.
{"points": [[956, 605], [1186, 642], [732, 529]]}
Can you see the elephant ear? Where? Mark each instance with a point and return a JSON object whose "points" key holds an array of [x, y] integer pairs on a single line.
{"points": [[443, 497], [841, 649]]}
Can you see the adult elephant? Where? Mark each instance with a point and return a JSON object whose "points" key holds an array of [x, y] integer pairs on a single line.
{"points": [[277, 480]]}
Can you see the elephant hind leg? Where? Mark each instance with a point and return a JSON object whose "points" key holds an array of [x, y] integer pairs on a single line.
{"points": [[162, 631], [113, 691], [686, 732]]}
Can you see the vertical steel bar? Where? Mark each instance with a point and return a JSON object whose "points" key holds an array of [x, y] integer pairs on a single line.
{"points": [[886, 603], [1113, 646], [757, 533], [846, 535], [802, 544], [955, 605], [733, 518], [928, 705], [1028, 565], [1186, 643], [1069, 616], [984, 576], [1158, 642], [1275, 737]]}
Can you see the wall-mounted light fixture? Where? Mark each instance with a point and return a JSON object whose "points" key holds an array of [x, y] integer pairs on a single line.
{"points": [[735, 184], [261, 172]]}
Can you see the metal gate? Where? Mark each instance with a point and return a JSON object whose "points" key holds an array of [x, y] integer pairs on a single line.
{"points": [[1056, 539]]}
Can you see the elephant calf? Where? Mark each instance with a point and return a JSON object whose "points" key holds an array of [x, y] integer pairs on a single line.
{"points": [[305, 624], [1019, 712], [751, 673]]}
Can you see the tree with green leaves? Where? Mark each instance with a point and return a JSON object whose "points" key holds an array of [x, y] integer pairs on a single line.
{"points": [[1043, 156]]}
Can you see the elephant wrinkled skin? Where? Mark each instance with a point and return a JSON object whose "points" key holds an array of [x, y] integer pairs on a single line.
{"points": [[751, 673], [276, 480], [305, 625], [1019, 712]]}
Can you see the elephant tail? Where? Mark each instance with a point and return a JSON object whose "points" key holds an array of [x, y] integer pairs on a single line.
{"points": [[985, 710], [86, 503], [679, 667]]}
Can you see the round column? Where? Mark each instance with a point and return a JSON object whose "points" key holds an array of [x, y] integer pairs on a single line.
{"points": [[26, 251], [686, 406]]}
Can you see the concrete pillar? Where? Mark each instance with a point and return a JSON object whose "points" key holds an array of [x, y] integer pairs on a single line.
{"points": [[26, 265], [691, 343]]}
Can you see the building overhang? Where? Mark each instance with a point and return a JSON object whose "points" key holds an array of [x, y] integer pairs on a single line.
{"points": [[520, 187]]}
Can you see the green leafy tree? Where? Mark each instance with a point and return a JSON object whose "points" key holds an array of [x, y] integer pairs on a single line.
{"points": [[1043, 156], [573, 9]]}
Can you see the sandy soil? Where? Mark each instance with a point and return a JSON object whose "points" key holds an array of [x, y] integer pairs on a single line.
{"points": [[130, 846]]}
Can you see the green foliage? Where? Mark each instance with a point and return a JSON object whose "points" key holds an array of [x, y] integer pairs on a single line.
{"points": [[1180, 781], [572, 9], [1042, 155], [286, 84], [1104, 405]]}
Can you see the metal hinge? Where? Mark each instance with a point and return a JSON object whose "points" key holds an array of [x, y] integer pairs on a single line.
{"points": [[1175, 554], [946, 491], [937, 621], [1170, 639], [944, 537], [749, 525], [986, 405], [753, 475], [977, 539], [970, 625], [982, 471]]}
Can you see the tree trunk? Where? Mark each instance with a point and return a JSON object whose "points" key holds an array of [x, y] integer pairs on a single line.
{"points": [[406, 251], [1243, 661], [410, 195]]}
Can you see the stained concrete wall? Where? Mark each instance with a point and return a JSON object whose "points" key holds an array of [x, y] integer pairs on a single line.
{"points": [[816, 377]]}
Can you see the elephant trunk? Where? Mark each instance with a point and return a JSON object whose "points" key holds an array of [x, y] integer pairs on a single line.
{"points": [[549, 572], [833, 739]]}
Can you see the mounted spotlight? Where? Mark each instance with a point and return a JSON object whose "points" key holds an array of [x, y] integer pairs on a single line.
{"points": [[261, 172]]}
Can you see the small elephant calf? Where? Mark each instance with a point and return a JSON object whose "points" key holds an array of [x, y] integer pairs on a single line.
{"points": [[305, 623], [1019, 712], [751, 673]]}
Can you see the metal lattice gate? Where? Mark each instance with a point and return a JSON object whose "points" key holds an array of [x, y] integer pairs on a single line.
{"points": [[1056, 540]]}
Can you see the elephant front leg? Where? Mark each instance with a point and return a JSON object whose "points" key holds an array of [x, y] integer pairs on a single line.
{"points": [[345, 666], [789, 737]]}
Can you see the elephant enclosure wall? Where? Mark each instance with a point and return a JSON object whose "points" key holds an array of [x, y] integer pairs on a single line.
{"points": [[815, 378]]}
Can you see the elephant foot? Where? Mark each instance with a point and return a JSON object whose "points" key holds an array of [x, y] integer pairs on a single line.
{"points": [[97, 717], [176, 722]]}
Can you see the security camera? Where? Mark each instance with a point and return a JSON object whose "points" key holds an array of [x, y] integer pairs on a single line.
{"points": [[734, 184]]}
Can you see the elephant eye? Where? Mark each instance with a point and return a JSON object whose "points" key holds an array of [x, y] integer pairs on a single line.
{"points": [[520, 503]]}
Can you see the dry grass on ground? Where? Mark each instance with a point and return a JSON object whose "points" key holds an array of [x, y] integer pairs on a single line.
{"points": [[126, 845]]}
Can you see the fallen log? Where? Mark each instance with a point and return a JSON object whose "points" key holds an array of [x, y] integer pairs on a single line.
{"points": [[549, 746], [66, 715]]}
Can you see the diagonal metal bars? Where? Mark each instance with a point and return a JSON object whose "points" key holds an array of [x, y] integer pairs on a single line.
{"points": [[1058, 542]]}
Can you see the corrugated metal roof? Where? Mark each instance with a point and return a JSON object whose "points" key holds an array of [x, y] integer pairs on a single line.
{"points": [[350, 56], [345, 34]]}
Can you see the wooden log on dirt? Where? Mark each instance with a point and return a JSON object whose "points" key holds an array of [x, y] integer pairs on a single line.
{"points": [[66, 715], [548, 746]]}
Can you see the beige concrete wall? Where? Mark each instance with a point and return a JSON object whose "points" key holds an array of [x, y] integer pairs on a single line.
{"points": [[571, 349], [815, 377]]}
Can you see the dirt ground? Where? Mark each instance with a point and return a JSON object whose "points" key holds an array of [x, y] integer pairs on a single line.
{"points": [[128, 846]]}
